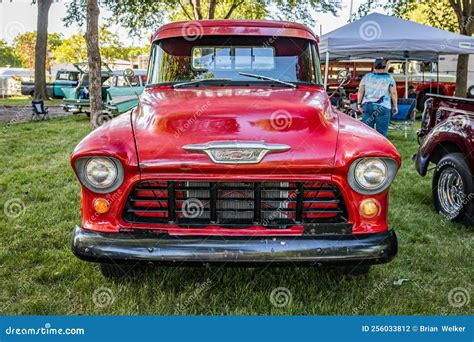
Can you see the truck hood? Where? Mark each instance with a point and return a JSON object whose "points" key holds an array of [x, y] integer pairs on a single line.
{"points": [[167, 120]]}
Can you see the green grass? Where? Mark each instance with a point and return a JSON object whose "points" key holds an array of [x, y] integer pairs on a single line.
{"points": [[26, 101], [39, 274]]}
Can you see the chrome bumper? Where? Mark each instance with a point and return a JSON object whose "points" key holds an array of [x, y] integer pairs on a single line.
{"points": [[165, 249]]}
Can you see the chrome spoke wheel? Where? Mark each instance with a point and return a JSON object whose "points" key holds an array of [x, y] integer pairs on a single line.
{"points": [[451, 192]]}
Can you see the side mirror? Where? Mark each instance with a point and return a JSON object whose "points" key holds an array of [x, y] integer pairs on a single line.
{"points": [[343, 76], [128, 73]]}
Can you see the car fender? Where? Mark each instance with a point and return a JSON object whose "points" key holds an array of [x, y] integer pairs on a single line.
{"points": [[447, 137]]}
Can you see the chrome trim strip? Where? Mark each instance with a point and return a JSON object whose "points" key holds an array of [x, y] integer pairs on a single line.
{"points": [[261, 147], [456, 110]]}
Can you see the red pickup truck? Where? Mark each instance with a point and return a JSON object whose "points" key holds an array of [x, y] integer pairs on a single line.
{"points": [[234, 155]]}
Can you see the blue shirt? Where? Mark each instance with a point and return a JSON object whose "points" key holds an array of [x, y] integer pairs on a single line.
{"points": [[377, 88]]}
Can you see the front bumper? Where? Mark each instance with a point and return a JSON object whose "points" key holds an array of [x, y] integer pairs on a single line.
{"points": [[165, 249]]}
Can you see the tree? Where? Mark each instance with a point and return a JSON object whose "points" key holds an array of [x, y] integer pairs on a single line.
{"points": [[94, 60], [464, 10], [148, 14], [7, 55], [41, 49], [24, 48], [74, 49]]}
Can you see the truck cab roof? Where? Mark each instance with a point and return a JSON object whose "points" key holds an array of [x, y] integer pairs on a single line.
{"points": [[200, 28]]}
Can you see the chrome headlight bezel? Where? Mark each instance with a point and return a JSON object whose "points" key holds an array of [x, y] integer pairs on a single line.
{"points": [[81, 165], [391, 168]]}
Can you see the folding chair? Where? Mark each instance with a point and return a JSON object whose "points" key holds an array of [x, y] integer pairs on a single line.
{"points": [[405, 118], [39, 110]]}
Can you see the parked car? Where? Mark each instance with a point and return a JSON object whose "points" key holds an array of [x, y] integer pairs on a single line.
{"points": [[76, 99], [124, 91], [422, 78], [64, 79], [11, 79], [237, 158], [447, 140]]}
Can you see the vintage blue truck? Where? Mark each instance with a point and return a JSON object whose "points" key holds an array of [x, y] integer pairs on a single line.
{"points": [[64, 79]]}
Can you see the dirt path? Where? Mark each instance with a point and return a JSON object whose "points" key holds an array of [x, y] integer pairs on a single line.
{"points": [[15, 114]]}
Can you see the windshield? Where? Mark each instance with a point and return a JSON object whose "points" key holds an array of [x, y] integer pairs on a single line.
{"points": [[176, 60]]}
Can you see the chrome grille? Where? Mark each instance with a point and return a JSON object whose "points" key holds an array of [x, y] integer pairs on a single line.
{"points": [[235, 204]]}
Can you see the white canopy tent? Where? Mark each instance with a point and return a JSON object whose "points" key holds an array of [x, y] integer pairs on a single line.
{"points": [[378, 35]]}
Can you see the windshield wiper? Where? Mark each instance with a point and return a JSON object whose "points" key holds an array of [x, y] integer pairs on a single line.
{"points": [[266, 78], [183, 84]]}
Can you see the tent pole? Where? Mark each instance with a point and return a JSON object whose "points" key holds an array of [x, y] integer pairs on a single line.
{"points": [[437, 74], [326, 70], [406, 78]]}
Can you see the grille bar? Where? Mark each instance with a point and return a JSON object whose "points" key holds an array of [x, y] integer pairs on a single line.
{"points": [[235, 204]]}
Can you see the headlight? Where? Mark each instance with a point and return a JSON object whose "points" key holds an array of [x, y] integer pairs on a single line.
{"points": [[100, 174], [372, 175]]}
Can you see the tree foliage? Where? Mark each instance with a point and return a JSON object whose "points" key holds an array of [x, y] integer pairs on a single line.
{"points": [[74, 49], [436, 13], [7, 55], [149, 14], [24, 46]]}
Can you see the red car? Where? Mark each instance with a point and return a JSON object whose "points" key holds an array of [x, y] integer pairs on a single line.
{"points": [[447, 140], [234, 155]]}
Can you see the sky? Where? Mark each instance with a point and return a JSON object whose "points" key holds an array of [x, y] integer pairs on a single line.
{"points": [[19, 16]]}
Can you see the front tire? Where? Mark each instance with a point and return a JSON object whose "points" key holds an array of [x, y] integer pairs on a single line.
{"points": [[453, 189]]}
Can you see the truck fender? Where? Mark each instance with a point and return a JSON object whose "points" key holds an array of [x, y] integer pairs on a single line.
{"points": [[447, 137]]}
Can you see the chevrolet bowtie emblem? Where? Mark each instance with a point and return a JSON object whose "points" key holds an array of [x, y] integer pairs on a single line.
{"points": [[236, 152]]}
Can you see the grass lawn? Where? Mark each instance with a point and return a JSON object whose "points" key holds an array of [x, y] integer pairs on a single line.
{"points": [[26, 101], [40, 276]]}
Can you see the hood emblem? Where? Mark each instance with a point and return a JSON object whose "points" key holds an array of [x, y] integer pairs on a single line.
{"points": [[236, 152]]}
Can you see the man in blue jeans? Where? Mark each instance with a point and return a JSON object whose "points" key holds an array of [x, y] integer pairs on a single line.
{"points": [[377, 98]]}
